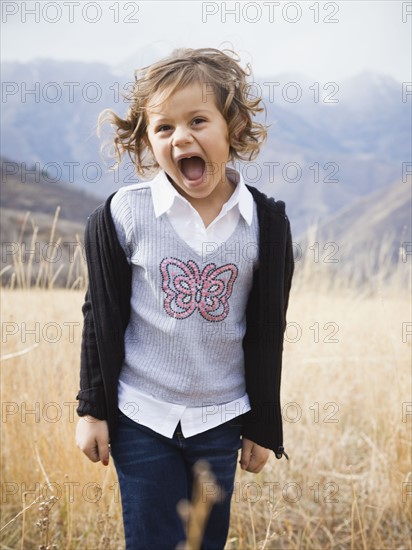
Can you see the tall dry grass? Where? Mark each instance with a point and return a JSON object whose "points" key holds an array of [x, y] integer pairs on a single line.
{"points": [[41, 261], [347, 410]]}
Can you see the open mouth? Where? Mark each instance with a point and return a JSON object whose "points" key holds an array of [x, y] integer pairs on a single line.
{"points": [[192, 168]]}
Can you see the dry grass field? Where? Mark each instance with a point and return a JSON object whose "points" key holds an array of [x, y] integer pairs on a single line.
{"points": [[347, 411]]}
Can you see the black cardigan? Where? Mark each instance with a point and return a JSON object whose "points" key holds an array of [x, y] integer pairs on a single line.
{"points": [[106, 312]]}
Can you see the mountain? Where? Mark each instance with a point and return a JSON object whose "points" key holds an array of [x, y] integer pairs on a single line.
{"points": [[329, 143], [50, 110], [25, 188], [364, 114], [374, 217], [330, 154], [372, 232]]}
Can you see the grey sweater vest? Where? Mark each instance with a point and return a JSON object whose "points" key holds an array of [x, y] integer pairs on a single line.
{"points": [[183, 343]]}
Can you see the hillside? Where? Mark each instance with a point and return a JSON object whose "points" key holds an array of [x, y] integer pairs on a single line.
{"points": [[373, 217], [28, 207], [372, 231], [25, 189]]}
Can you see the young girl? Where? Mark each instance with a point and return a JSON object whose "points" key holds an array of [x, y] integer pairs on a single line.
{"points": [[189, 279]]}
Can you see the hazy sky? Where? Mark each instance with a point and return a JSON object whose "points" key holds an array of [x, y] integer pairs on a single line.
{"points": [[274, 36]]}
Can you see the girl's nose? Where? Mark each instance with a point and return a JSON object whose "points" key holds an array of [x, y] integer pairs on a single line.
{"points": [[181, 136]]}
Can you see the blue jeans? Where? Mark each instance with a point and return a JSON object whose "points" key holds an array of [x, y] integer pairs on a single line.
{"points": [[155, 473]]}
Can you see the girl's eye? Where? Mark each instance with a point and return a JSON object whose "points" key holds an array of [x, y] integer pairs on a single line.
{"points": [[198, 120], [163, 128]]}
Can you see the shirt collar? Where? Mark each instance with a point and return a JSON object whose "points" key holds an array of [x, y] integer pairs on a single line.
{"points": [[165, 196]]}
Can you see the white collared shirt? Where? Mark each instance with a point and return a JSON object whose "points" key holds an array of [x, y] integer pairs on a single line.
{"points": [[160, 416], [187, 221]]}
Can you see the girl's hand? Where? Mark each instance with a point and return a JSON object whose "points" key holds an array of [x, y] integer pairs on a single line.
{"points": [[253, 456], [92, 437]]}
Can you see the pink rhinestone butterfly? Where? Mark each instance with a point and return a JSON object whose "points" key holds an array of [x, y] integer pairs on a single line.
{"points": [[187, 289]]}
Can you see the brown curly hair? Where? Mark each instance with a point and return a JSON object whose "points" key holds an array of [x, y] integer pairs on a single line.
{"points": [[220, 70]]}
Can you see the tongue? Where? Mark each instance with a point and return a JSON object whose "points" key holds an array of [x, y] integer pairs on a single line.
{"points": [[192, 168]]}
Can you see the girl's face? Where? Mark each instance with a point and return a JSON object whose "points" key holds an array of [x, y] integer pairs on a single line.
{"points": [[188, 136]]}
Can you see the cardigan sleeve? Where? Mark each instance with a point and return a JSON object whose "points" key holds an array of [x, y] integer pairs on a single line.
{"points": [[266, 323], [106, 312], [91, 395]]}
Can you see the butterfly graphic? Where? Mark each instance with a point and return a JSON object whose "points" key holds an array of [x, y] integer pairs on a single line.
{"points": [[187, 289]]}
